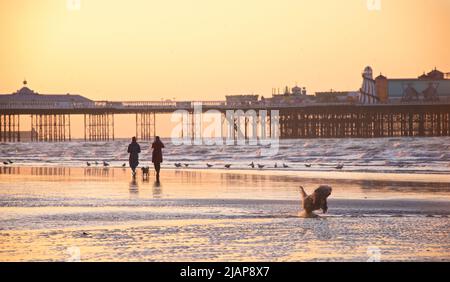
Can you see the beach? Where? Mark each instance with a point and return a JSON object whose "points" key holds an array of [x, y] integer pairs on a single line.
{"points": [[64, 213]]}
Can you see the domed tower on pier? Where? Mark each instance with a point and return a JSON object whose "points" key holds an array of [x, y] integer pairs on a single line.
{"points": [[368, 92]]}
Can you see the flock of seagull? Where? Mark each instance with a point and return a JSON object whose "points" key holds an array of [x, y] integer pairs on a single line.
{"points": [[105, 164], [252, 165], [178, 165]]}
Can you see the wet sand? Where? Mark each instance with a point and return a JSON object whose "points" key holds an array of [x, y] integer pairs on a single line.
{"points": [[97, 214]]}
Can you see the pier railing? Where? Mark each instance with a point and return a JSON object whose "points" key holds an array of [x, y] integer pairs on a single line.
{"points": [[174, 105]]}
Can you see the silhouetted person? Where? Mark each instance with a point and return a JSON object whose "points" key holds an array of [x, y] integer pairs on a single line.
{"points": [[157, 157], [134, 149]]}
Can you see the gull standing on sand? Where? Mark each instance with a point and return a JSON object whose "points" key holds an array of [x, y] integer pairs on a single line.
{"points": [[134, 149], [339, 166]]}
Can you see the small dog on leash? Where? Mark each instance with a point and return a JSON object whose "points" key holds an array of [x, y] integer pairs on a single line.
{"points": [[315, 201], [145, 172]]}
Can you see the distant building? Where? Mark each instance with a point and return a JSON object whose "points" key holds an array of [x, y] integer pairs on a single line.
{"points": [[294, 96], [294, 91], [241, 100], [27, 98], [337, 97], [432, 75], [432, 86]]}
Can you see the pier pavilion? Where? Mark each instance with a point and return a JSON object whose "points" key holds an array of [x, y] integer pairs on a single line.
{"points": [[45, 125]]}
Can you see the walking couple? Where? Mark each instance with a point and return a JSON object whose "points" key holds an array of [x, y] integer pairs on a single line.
{"points": [[134, 149]]}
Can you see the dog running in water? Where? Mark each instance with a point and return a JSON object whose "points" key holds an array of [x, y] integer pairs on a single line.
{"points": [[317, 200], [145, 172]]}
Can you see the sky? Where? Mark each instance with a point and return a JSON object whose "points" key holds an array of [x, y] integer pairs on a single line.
{"points": [[206, 49]]}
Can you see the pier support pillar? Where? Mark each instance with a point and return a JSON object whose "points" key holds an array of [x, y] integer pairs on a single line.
{"points": [[191, 125], [99, 127], [50, 128], [9, 128], [145, 125]]}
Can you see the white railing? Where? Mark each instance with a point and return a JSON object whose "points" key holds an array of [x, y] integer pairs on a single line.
{"points": [[129, 105], [46, 106], [146, 103]]}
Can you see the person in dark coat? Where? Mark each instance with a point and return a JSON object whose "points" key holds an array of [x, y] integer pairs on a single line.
{"points": [[157, 157], [134, 149]]}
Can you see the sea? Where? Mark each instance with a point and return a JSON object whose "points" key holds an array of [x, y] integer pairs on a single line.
{"points": [[398, 155]]}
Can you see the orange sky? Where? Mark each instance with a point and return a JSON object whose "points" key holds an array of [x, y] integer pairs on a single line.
{"points": [[204, 49]]}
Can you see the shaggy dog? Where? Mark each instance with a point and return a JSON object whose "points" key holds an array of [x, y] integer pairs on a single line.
{"points": [[315, 201], [145, 172]]}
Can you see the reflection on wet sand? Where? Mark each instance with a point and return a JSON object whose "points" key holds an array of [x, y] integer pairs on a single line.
{"points": [[157, 190], [237, 181], [96, 171], [215, 215], [367, 185], [135, 183], [42, 171], [134, 188]]}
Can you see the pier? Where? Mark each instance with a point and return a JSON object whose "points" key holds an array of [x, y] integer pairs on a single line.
{"points": [[52, 123], [366, 121]]}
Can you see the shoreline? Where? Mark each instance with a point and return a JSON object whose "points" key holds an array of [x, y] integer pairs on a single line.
{"points": [[332, 175]]}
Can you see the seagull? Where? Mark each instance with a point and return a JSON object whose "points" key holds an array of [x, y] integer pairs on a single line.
{"points": [[105, 163], [96, 163], [209, 165], [252, 165], [260, 166], [9, 161], [88, 163], [276, 165], [177, 164], [124, 165], [308, 165], [228, 165], [5, 163], [285, 166], [186, 165], [339, 166]]}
